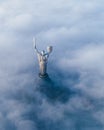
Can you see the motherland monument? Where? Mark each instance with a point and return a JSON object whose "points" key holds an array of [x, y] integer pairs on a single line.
{"points": [[42, 59]]}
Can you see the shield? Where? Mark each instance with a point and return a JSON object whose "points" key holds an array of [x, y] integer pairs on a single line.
{"points": [[49, 49]]}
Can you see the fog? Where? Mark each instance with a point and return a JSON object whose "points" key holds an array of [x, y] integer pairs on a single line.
{"points": [[73, 95]]}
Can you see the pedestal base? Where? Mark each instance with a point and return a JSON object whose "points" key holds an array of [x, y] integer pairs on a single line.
{"points": [[43, 76]]}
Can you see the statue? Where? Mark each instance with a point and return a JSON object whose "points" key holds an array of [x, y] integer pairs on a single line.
{"points": [[42, 59]]}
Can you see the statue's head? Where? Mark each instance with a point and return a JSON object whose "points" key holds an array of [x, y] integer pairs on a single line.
{"points": [[43, 52]]}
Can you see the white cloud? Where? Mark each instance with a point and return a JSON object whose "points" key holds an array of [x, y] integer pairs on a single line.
{"points": [[20, 22], [75, 29]]}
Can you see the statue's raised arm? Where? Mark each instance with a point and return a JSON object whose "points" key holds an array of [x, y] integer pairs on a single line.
{"points": [[34, 44]]}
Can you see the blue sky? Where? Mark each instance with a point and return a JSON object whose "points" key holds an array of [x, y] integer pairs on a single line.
{"points": [[74, 98]]}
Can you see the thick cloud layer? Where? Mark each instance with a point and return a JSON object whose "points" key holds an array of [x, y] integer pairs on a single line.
{"points": [[73, 96]]}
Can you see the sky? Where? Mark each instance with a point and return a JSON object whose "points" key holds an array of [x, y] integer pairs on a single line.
{"points": [[72, 98]]}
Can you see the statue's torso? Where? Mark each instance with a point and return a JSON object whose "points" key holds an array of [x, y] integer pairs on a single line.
{"points": [[42, 58]]}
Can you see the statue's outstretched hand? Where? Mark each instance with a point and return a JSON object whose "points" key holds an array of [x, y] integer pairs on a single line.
{"points": [[34, 42], [35, 45]]}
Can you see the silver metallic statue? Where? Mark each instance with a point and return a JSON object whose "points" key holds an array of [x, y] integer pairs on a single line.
{"points": [[42, 58]]}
